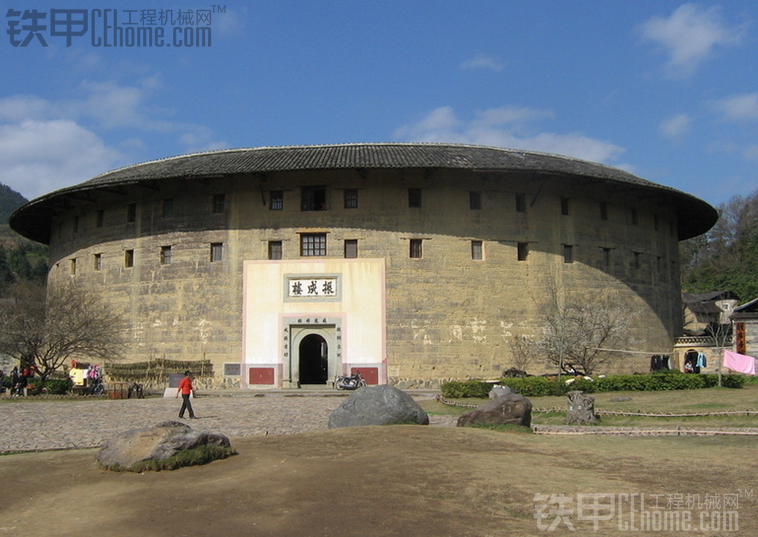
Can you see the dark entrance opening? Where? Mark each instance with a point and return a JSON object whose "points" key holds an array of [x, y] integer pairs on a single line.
{"points": [[314, 360]]}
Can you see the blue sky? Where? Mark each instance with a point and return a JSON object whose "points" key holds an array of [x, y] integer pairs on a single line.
{"points": [[665, 90]]}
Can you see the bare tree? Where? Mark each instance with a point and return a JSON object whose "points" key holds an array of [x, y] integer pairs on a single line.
{"points": [[578, 330], [720, 334], [45, 329], [524, 351]]}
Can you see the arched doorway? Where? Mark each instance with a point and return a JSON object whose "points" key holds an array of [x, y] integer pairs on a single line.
{"points": [[314, 360]]}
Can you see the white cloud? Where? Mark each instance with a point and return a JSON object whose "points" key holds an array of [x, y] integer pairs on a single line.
{"points": [[689, 36], [483, 62], [738, 107], [46, 145], [675, 127], [506, 127], [37, 157]]}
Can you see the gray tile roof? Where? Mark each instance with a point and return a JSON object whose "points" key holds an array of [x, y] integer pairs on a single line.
{"points": [[33, 219]]}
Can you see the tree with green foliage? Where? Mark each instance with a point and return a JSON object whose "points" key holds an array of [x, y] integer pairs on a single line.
{"points": [[725, 258], [6, 275]]}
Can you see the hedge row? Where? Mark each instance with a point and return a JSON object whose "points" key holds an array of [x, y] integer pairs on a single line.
{"points": [[542, 386]]}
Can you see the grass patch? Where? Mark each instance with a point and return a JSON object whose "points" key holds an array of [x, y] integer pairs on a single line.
{"points": [[670, 401], [188, 457]]}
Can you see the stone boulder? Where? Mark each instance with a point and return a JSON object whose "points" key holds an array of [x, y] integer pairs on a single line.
{"points": [[581, 408], [512, 409], [155, 443], [378, 405], [499, 391]]}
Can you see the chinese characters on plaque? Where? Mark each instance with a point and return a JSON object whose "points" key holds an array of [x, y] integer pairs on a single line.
{"points": [[312, 287]]}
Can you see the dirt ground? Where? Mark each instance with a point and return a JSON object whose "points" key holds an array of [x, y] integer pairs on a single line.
{"points": [[382, 481]]}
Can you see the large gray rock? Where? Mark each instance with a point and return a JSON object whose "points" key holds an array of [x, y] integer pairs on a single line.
{"points": [[378, 405], [509, 409], [155, 443]]}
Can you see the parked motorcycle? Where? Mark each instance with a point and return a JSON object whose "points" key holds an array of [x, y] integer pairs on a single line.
{"points": [[349, 382]]}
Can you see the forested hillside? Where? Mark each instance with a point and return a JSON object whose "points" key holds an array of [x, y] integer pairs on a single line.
{"points": [[20, 258], [725, 258]]}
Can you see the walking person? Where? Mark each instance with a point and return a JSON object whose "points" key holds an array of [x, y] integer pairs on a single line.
{"points": [[186, 389]]}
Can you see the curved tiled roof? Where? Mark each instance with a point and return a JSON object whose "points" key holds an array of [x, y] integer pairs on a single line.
{"points": [[33, 219]]}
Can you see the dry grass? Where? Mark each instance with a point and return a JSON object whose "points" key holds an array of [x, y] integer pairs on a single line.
{"points": [[381, 481]]}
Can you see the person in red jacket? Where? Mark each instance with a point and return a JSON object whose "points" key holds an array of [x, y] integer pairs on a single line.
{"points": [[186, 388]]}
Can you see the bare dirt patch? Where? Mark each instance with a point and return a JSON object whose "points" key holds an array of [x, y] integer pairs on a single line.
{"points": [[401, 480]]}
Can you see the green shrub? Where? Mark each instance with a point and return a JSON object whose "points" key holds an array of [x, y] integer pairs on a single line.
{"points": [[545, 386], [465, 388], [537, 386], [57, 386]]}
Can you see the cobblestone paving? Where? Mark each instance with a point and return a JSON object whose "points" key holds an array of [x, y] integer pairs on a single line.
{"points": [[72, 424]]}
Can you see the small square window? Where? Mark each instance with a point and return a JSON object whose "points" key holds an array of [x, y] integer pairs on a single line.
{"points": [[520, 203], [475, 200], [313, 244], [313, 198], [168, 208], [568, 253], [277, 200], [131, 212], [477, 253], [73, 266], [522, 251], [607, 260], [219, 201], [603, 211], [217, 251], [165, 255], [128, 258], [416, 250], [565, 206], [100, 217], [351, 248], [274, 249], [414, 197], [351, 198], [637, 261], [97, 261]]}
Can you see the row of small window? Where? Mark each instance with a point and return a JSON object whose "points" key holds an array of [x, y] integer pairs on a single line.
{"points": [[314, 198], [216, 254], [314, 245], [218, 205]]}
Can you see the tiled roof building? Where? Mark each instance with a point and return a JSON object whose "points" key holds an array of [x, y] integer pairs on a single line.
{"points": [[413, 263]]}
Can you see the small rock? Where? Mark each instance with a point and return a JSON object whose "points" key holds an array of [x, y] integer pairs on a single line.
{"points": [[508, 409], [499, 391]]}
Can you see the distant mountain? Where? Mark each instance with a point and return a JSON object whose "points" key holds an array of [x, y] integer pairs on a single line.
{"points": [[10, 200]]}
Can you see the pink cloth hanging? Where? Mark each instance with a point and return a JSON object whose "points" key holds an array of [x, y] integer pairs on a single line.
{"points": [[739, 362]]}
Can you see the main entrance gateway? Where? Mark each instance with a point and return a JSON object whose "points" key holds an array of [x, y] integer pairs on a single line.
{"points": [[306, 321], [315, 355]]}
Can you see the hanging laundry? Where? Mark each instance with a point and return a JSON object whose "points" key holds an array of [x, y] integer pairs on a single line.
{"points": [[739, 362], [701, 361]]}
